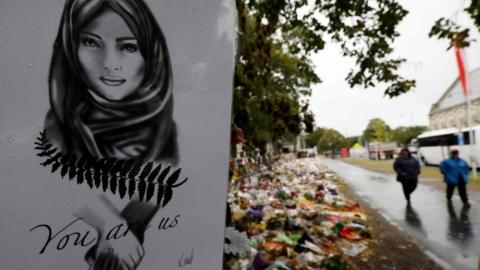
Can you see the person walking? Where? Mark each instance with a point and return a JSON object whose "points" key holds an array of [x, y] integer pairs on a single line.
{"points": [[407, 169], [455, 174]]}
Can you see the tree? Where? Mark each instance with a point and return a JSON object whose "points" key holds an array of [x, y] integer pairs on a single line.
{"points": [[353, 140], [312, 139], [458, 36], [377, 131], [331, 140], [404, 135], [274, 74]]}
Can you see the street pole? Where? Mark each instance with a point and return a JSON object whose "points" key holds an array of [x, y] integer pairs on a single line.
{"points": [[465, 83], [468, 101], [472, 141]]}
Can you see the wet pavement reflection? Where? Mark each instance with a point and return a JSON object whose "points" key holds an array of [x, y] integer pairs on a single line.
{"points": [[412, 218], [459, 227], [448, 231]]}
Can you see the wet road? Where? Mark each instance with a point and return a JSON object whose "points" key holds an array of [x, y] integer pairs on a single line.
{"points": [[449, 234]]}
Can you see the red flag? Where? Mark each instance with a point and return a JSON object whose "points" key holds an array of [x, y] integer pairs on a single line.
{"points": [[462, 70]]}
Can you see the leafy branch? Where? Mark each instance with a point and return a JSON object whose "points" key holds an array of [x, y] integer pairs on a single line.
{"points": [[449, 30], [122, 177], [457, 35]]}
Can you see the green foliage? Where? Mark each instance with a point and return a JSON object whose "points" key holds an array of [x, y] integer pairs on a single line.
{"points": [[328, 139], [474, 11], [447, 29], [331, 140], [457, 35], [404, 135], [377, 131], [365, 30], [312, 139], [271, 84], [353, 140], [274, 73]]}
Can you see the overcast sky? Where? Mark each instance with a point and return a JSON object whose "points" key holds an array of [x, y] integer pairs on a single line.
{"points": [[348, 110]]}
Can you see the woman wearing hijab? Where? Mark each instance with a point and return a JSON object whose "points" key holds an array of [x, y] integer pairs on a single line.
{"points": [[110, 89], [100, 105], [407, 169]]}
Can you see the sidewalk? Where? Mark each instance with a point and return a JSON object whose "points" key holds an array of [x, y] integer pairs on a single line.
{"points": [[429, 174], [448, 233], [303, 199]]}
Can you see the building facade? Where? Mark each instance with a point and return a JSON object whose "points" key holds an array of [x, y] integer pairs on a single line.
{"points": [[450, 110]]}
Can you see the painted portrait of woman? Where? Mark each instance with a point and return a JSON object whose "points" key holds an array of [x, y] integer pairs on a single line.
{"points": [[110, 88], [111, 83]]}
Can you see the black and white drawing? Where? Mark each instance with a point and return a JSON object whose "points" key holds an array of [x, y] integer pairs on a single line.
{"points": [[111, 83], [114, 133], [110, 87]]}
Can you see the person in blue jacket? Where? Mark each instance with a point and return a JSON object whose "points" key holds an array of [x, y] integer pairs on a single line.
{"points": [[455, 174]]}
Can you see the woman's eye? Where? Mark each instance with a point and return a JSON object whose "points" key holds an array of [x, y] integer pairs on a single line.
{"points": [[89, 42], [130, 48]]}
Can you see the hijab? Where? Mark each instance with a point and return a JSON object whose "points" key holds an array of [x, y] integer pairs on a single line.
{"points": [[141, 125]]}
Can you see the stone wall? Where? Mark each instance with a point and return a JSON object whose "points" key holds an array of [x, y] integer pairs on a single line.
{"points": [[454, 117]]}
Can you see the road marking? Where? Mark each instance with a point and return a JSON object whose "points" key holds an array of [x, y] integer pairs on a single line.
{"points": [[438, 260]]}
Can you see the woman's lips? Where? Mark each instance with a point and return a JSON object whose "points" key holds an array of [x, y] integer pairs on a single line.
{"points": [[112, 81]]}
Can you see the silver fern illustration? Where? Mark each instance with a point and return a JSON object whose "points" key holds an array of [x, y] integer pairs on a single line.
{"points": [[118, 176]]}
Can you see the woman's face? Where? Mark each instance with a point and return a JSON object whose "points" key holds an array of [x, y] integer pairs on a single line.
{"points": [[109, 55]]}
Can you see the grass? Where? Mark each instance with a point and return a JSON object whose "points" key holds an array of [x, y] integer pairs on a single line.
{"points": [[386, 166]]}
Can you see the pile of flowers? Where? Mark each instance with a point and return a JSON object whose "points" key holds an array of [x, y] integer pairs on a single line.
{"points": [[293, 217]]}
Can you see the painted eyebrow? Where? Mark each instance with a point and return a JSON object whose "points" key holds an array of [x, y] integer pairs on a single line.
{"points": [[92, 34], [125, 38]]}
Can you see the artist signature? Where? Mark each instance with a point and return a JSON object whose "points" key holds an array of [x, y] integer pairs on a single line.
{"points": [[186, 260]]}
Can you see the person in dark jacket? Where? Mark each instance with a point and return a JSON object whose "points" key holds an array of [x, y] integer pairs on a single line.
{"points": [[455, 174], [407, 169]]}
